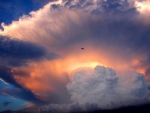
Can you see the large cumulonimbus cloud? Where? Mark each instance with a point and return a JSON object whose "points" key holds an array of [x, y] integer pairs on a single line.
{"points": [[101, 88], [113, 32], [59, 27]]}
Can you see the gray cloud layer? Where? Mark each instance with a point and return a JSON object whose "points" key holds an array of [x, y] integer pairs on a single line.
{"points": [[17, 52], [98, 6], [19, 91]]}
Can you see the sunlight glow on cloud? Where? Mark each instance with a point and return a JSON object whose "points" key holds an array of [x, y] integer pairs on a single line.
{"points": [[143, 7], [86, 64]]}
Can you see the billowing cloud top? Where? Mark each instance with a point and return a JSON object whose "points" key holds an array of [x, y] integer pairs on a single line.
{"points": [[102, 89]]}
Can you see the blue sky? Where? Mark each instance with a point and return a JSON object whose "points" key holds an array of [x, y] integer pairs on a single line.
{"points": [[16, 103], [11, 10]]}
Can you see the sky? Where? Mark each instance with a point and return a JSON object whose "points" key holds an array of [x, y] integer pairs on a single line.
{"points": [[42, 63]]}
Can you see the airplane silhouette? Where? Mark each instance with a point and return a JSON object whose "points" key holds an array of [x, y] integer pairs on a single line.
{"points": [[82, 48]]}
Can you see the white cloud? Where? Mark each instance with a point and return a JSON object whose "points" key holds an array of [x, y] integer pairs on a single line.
{"points": [[143, 6], [101, 88]]}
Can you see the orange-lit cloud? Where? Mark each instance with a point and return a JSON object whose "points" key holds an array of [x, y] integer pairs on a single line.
{"points": [[143, 7], [47, 76]]}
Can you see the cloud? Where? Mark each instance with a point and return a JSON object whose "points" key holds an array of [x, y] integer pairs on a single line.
{"points": [[18, 91], [6, 75], [98, 6], [24, 94], [101, 88], [119, 42], [16, 52], [123, 35], [6, 103], [31, 108], [71, 108], [143, 6], [64, 29]]}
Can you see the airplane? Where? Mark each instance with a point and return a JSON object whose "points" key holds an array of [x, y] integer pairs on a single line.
{"points": [[82, 48]]}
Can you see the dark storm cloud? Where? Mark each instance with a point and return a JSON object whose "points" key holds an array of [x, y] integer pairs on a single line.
{"points": [[99, 6], [19, 91], [6, 75], [110, 5], [6, 103], [16, 52], [22, 94]]}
